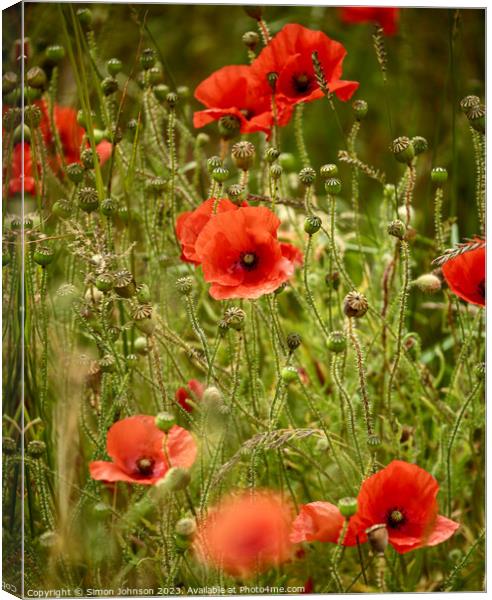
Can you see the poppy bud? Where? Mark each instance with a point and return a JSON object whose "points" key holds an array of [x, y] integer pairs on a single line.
{"points": [[161, 91], [419, 144], [85, 17], [360, 109], [234, 191], [172, 99], [140, 345], [88, 199], [164, 421], [43, 256], [377, 536], [476, 117], [107, 364], [185, 528], [412, 345], [175, 479], [143, 293], [109, 85], [75, 172], [147, 59], [243, 154], [287, 161], [114, 66], [22, 131], [333, 186], [428, 283], [289, 374], [403, 149], [397, 229], [312, 224], [36, 448], [184, 285], [124, 284], [307, 176], [104, 282], [202, 139], [251, 39], [336, 342], [211, 395], [271, 154], [469, 102], [36, 78], [9, 82], [347, 506], [220, 174], [255, 12], [108, 207], [276, 172], [234, 317], [229, 127], [355, 305], [294, 340], [32, 115], [328, 171]]}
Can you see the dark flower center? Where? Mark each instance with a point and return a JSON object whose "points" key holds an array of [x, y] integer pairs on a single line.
{"points": [[301, 82], [395, 518], [249, 261], [481, 288], [247, 113], [145, 466]]}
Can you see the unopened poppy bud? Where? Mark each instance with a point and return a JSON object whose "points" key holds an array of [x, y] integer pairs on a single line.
{"points": [[355, 305], [36, 78], [140, 345], [202, 139], [439, 176], [164, 421], [143, 293], [124, 284], [287, 161], [289, 374], [333, 186], [276, 172], [109, 86], [312, 224], [107, 364], [235, 316], [328, 171], [479, 371], [307, 176], [32, 116], [184, 285], [114, 66], [20, 132], [43, 256], [211, 396], [243, 154], [104, 282], [397, 229], [428, 283], [476, 117], [419, 144], [234, 191], [272, 79], [255, 12], [81, 118], [36, 448], [88, 199], [403, 149], [294, 340], [322, 445], [469, 102], [9, 82], [176, 479], [377, 536], [172, 99], [336, 341], [360, 109], [108, 207], [75, 172], [186, 527], [147, 59], [85, 17], [347, 506], [161, 91], [251, 40]]}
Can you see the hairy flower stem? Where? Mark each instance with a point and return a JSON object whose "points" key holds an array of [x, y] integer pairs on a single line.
{"points": [[479, 153], [44, 341], [438, 198], [171, 142], [409, 192], [309, 294], [351, 140], [362, 376], [336, 555], [299, 133], [190, 309], [401, 321]]}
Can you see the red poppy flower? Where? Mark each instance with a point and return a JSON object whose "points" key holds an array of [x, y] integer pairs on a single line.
{"points": [[193, 391], [289, 55], [233, 92], [136, 446], [403, 496], [241, 256], [246, 533], [190, 223], [465, 274], [15, 182], [387, 18], [317, 521]]}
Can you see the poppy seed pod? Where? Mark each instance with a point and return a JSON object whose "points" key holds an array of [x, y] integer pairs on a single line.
{"points": [[403, 149], [234, 317], [336, 342], [377, 536], [347, 506], [36, 78], [8, 446], [234, 191], [373, 442], [271, 154], [114, 66], [479, 371], [229, 126], [75, 172], [172, 99], [289, 374], [312, 224], [397, 229], [108, 207], [439, 176], [251, 40], [88, 199], [476, 117], [276, 172], [213, 162], [360, 109], [176, 479], [294, 340], [124, 284], [469, 102], [140, 345], [428, 283], [84, 15], [107, 364], [36, 448], [333, 280], [419, 144], [104, 282], [161, 91], [165, 420], [143, 319], [43, 256], [220, 174], [87, 158], [32, 116], [184, 285], [307, 176], [131, 360], [243, 154], [147, 59], [355, 305], [333, 186], [9, 82], [328, 171], [109, 86]]}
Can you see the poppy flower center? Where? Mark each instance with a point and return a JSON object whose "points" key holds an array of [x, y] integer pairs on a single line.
{"points": [[249, 261], [145, 466], [247, 113], [301, 82], [395, 518]]}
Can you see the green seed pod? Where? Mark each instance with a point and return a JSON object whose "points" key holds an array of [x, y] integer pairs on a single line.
{"points": [[156, 185], [186, 528], [294, 340], [397, 229], [9, 82], [184, 285], [85, 17], [328, 171], [439, 176], [9, 446], [43, 256], [428, 283], [419, 144], [172, 99], [104, 282], [107, 364], [476, 117], [271, 154], [175, 479], [276, 172], [132, 360], [202, 139], [75, 172], [55, 53], [213, 163], [82, 121], [336, 342], [287, 161], [347, 506], [143, 319], [36, 78], [289, 374], [229, 127], [32, 94], [143, 293], [243, 154], [16, 224], [161, 91], [108, 207], [140, 345], [312, 224], [124, 284], [251, 40], [235, 317], [355, 305], [87, 157], [12, 118], [165, 421], [36, 448], [147, 59], [183, 92], [307, 176], [235, 191], [109, 86], [220, 174], [114, 66], [88, 199], [333, 186], [360, 109], [32, 116], [20, 131], [403, 149], [469, 102], [373, 442]]}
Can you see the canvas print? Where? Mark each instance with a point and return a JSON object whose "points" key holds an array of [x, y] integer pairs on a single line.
{"points": [[243, 299]]}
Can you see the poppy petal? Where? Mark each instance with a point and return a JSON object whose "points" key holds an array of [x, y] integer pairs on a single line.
{"points": [[181, 447]]}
